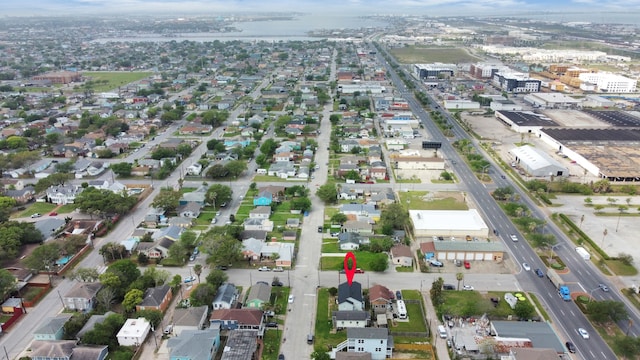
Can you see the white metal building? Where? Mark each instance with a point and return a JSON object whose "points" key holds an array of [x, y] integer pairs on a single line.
{"points": [[449, 223], [611, 83], [537, 163]]}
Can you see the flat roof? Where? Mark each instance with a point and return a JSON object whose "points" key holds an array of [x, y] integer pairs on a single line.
{"points": [[540, 333], [602, 135], [527, 118], [615, 117], [534, 158], [447, 220], [555, 98], [478, 246], [612, 161]]}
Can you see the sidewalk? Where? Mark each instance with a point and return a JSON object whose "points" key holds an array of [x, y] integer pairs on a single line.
{"points": [[439, 343]]}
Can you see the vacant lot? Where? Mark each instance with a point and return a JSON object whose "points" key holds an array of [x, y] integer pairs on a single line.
{"points": [[423, 200], [108, 81], [418, 54]]}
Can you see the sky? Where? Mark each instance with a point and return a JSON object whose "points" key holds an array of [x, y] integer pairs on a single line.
{"points": [[427, 7]]}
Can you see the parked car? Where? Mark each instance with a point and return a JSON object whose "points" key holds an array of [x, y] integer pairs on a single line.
{"points": [[277, 283], [467, 287], [269, 313], [281, 357], [290, 300], [335, 234], [436, 263], [214, 220], [36, 215], [278, 269], [539, 273], [224, 204], [398, 295], [232, 218], [448, 287], [467, 265], [320, 229], [264, 268], [189, 279], [192, 257], [53, 213], [359, 271], [272, 324]]}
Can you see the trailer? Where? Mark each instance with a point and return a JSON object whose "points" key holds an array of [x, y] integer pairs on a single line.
{"points": [[584, 254], [556, 280]]}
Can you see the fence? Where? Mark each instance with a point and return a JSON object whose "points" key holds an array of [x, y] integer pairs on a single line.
{"points": [[32, 302], [17, 313]]}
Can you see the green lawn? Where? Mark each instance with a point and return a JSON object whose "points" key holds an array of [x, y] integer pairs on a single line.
{"points": [[416, 320], [108, 80], [620, 268], [363, 259], [65, 209], [280, 295], [324, 339], [421, 54], [38, 207], [330, 246], [272, 340], [472, 303], [418, 200]]}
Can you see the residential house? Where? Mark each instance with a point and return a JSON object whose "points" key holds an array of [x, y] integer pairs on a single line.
{"points": [[183, 222], [380, 298], [156, 298], [153, 217], [361, 212], [238, 319], [198, 196], [96, 168], [252, 248], [91, 323], [52, 350], [264, 198], [350, 318], [351, 241], [12, 184], [282, 169], [259, 294], [258, 224], [194, 169], [90, 352], [401, 255], [133, 332], [292, 223], [358, 226], [255, 234], [383, 197], [375, 341], [82, 296], [63, 194], [195, 129], [195, 345], [191, 318], [241, 345], [378, 170], [190, 210], [283, 252], [52, 328], [226, 297], [21, 196], [350, 296], [289, 235], [260, 212]]}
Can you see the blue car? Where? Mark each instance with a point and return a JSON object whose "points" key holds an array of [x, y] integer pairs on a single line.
{"points": [[539, 273]]}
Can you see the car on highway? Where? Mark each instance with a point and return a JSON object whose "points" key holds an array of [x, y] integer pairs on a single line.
{"points": [[189, 279], [36, 215], [584, 333], [513, 237], [467, 287], [264, 268], [526, 266], [570, 347], [539, 273], [604, 287], [290, 300]]}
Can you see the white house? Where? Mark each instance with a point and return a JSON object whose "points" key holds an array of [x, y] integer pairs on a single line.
{"points": [[375, 341], [133, 332], [225, 297], [349, 319], [63, 194], [194, 169]]}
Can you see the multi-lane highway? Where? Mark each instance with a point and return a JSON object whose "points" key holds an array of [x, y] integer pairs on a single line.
{"points": [[566, 316]]}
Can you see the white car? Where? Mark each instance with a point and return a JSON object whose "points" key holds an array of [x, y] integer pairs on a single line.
{"points": [[264, 268], [189, 279], [514, 237], [290, 300], [36, 215], [467, 287], [584, 333], [526, 266]]}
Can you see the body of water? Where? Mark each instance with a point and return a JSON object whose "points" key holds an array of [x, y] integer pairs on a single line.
{"points": [[272, 31]]}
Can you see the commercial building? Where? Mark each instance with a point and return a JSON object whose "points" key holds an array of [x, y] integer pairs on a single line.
{"points": [[607, 82], [448, 250], [537, 163], [434, 71], [448, 223], [516, 82]]}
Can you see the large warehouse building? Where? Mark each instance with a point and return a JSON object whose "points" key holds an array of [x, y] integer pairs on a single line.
{"points": [[448, 223], [537, 163]]}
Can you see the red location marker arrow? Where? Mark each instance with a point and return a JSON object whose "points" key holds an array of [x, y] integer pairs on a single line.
{"points": [[352, 271]]}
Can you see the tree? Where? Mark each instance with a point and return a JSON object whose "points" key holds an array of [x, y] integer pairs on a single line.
{"points": [[133, 298], [44, 256], [235, 168], [459, 277], [217, 278], [105, 333], [65, 167], [379, 263], [6, 205], [218, 194], [328, 193], [154, 316], [203, 294], [167, 200], [74, 325], [105, 298], [301, 203], [103, 202], [524, 310], [126, 270], [436, 294], [394, 214], [607, 310], [339, 218], [122, 169], [7, 283], [197, 269], [85, 275], [628, 346], [268, 147], [222, 249]]}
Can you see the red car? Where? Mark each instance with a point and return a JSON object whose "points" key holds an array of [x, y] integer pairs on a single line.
{"points": [[359, 271], [467, 265], [53, 213]]}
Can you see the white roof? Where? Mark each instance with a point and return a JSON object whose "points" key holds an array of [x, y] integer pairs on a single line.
{"points": [[134, 327], [447, 220], [534, 158]]}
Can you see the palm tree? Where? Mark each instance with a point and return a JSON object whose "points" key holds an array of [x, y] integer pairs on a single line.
{"points": [[197, 269], [459, 277]]}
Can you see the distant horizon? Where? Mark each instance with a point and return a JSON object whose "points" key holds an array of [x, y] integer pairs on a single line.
{"points": [[591, 10]]}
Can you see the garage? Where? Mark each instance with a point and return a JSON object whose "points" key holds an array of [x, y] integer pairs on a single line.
{"points": [[460, 256], [479, 256]]}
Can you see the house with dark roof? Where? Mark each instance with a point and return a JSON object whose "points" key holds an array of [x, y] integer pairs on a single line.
{"points": [[259, 294], [82, 296], [89, 352], [191, 318], [52, 350], [226, 297], [351, 240], [350, 318], [255, 234], [350, 297], [190, 210], [380, 298], [195, 345], [52, 328], [238, 319], [241, 345], [156, 298]]}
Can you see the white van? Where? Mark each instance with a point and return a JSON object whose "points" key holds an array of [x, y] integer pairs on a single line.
{"points": [[261, 171], [442, 331]]}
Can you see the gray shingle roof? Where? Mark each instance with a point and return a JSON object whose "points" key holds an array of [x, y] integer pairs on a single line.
{"points": [[154, 296], [193, 344]]}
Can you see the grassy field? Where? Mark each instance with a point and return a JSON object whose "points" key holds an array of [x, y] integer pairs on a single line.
{"points": [[363, 260], [108, 80], [416, 320], [620, 268], [272, 340], [324, 338], [39, 208], [418, 54], [415, 200], [473, 303]]}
